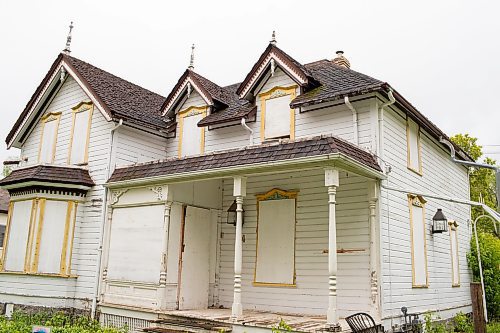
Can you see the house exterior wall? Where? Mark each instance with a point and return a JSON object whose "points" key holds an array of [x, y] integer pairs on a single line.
{"points": [[441, 176]]}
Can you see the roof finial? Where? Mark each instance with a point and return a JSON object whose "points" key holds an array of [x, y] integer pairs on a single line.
{"points": [[191, 62], [273, 38], [67, 49]]}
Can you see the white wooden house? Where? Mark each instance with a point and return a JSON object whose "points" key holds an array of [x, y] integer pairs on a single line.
{"points": [[306, 192]]}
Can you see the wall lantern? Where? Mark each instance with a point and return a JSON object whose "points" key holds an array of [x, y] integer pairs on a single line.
{"points": [[439, 222], [231, 214]]}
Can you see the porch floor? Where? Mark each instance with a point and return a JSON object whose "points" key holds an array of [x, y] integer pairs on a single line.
{"points": [[263, 319]]}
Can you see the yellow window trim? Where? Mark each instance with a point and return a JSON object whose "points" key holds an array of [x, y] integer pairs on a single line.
{"points": [[191, 111], [453, 227], [52, 116], [419, 201], [419, 152], [274, 194], [38, 206], [81, 107], [275, 93]]}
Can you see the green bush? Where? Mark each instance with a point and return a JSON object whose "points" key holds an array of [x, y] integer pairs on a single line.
{"points": [[59, 322], [489, 246]]}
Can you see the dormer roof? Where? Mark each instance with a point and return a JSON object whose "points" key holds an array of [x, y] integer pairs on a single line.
{"points": [[274, 56]]}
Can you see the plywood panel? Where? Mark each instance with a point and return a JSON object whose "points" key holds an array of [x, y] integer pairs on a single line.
{"points": [[18, 236]]}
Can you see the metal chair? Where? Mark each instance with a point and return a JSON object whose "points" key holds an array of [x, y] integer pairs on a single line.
{"points": [[363, 323]]}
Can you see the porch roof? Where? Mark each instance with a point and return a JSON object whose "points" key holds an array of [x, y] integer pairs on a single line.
{"points": [[329, 149]]}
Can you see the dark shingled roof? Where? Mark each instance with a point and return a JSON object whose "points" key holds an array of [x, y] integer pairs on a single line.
{"points": [[336, 82], [4, 201], [49, 173], [316, 146], [119, 97]]}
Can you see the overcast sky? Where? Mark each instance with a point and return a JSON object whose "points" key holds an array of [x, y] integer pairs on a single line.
{"points": [[443, 56]]}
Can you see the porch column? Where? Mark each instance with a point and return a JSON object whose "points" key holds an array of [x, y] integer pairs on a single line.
{"points": [[164, 193], [239, 191], [372, 204], [332, 183]]}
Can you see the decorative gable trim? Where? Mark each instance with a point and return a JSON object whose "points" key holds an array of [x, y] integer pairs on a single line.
{"points": [[271, 58], [186, 84]]}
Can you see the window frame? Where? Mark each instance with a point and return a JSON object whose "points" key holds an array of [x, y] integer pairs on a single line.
{"points": [[52, 116], [276, 194], [276, 92], [83, 106], [191, 111], [408, 147], [454, 229], [32, 253], [419, 201]]}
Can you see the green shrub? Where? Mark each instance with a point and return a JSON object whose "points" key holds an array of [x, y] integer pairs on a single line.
{"points": [[493, 327], [59, 322], [489, 246]]}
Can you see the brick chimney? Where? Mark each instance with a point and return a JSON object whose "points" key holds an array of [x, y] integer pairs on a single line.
{"points": [[341, 60]]}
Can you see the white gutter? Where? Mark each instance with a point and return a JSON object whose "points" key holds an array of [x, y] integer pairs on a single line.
{"points": [[380, 141], [97, 284], [245, 126], [354, 119]]}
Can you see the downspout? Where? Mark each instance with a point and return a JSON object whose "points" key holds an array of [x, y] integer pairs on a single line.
{"points": [[354, 119], [97, 283], [245, 126], [380, 142]]}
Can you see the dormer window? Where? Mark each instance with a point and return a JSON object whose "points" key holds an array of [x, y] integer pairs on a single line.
{"points": [[192, 137], [48, 140], [277, 118], [80, 133]]}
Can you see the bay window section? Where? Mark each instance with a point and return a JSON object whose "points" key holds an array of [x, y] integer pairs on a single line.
{"points": [[80, 133], [48, 140]]}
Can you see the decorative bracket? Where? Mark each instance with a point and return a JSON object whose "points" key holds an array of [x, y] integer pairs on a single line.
{"points": [[116, 194], [158, 190]]}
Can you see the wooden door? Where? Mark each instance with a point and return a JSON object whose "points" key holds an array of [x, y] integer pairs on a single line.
{"points": [[195, 260]]}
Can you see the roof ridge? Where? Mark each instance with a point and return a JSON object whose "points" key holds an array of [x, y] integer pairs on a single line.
{"points": [[116, 76]]}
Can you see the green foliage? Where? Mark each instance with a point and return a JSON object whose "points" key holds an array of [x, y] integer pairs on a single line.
{"points": [[6, 170], [489, 246], [59, 322], [433, 325], [463, 323], [482, 181], [493, 327], [281, 327]]}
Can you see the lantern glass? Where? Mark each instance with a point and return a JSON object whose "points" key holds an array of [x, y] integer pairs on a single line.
{"points": [[231, 214], [439, 222]]}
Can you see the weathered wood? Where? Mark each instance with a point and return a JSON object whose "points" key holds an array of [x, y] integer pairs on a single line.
{"points": [[476, 294]]}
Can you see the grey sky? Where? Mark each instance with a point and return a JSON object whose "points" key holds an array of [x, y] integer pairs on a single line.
{"points": [[443, 56]]}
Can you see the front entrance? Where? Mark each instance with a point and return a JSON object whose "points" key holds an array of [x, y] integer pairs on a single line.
{"points": [[194, 261]]}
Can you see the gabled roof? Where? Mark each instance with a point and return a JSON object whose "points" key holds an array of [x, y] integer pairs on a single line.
{"points": [[49, 174], [249, 156], [296, 70], [120, 99]]}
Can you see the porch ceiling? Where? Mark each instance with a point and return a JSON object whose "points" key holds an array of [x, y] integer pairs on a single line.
{"points": [[286, 155]]}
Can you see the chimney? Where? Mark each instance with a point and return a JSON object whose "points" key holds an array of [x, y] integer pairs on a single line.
{"points": [[340, 60]]}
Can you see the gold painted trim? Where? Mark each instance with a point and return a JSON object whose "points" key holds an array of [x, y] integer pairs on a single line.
{"points": [[285, 91], [31, 232], [64, 249], [39, 274], [408, 149], [453, 228], [34, 265], [81, 107], [6, 238], [275, 194], [191, 111], [68, 268], [52, 116], [418, 201]]}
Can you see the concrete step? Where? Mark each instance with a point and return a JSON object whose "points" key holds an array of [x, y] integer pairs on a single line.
{"points": [[179, 324]]}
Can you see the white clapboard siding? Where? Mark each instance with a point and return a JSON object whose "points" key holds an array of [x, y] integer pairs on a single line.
{"points": [[134, 146], [440, 176], [311, 294]]}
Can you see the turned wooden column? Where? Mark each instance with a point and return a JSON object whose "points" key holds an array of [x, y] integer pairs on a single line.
{"points": [[239, 191]]}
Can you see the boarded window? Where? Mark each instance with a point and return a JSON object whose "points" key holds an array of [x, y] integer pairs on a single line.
{"points": [[414, 152], [39, 236], [418, 242], [48, 139], [277, 122], [455, 263], [80, 134], [275, 263], [192, 136], [136, 244], [17, 239]]}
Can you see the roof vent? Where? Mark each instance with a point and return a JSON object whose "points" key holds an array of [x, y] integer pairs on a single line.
{"points": [[341, 60]]}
